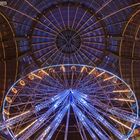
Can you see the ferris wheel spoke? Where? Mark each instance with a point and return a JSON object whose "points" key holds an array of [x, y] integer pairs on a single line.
{"points": [[88, 83], [123, 115], [77, 81], [16, 104], [60, 110], [34, 44], [51, 83], [101, 104], [58, 78], [55, 81], [67, 124], [80, 128], [49, 131], [41, 120], [16, 119], [82, 120], [105, 86], [57, 121], [86, 78], [105, 122], [97, 123], [46, 89], [45, 104], [107, 113], [93, 127]]}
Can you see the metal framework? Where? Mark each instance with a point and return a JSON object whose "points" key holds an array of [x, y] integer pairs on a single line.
{"points": [[60, 101], [43, 20], [65, 32], [8, 55], [39, 33], [130, 52]]}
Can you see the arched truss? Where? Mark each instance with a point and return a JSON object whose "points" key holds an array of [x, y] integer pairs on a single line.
{"points": [[130, 52], [70, 101], [8, 55]]}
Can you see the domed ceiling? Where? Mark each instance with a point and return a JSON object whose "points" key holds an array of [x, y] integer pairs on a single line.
{"points": [[38, 33], [45, 29]]}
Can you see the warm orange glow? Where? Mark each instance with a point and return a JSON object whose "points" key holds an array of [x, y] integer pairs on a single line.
{"points": [[25, 128], [19, 115], [83, 68], [9, 100], [125, 100], [100, 74], [92, 71], [22, 83], [35, 75], [121, 123], [14, 90], [6, 112], [108, 78], [73, 68], [44, 72], [31, 77], [123, 91], [62, 68]]}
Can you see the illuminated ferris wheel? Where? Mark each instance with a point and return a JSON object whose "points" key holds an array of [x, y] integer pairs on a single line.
{"points": [[68, 102]]}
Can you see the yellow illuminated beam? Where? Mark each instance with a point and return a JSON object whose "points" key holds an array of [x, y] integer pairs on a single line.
{"points": [[43, 71], [100, 74], [83, 68], [124, 91], [91, 71], [120, 123], [125, 100], [25, 128], [36, 76], [19, 115], [109, 78]]}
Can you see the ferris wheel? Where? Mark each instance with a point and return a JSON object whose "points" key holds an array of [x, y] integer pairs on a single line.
{"points": [[66, 101]]}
